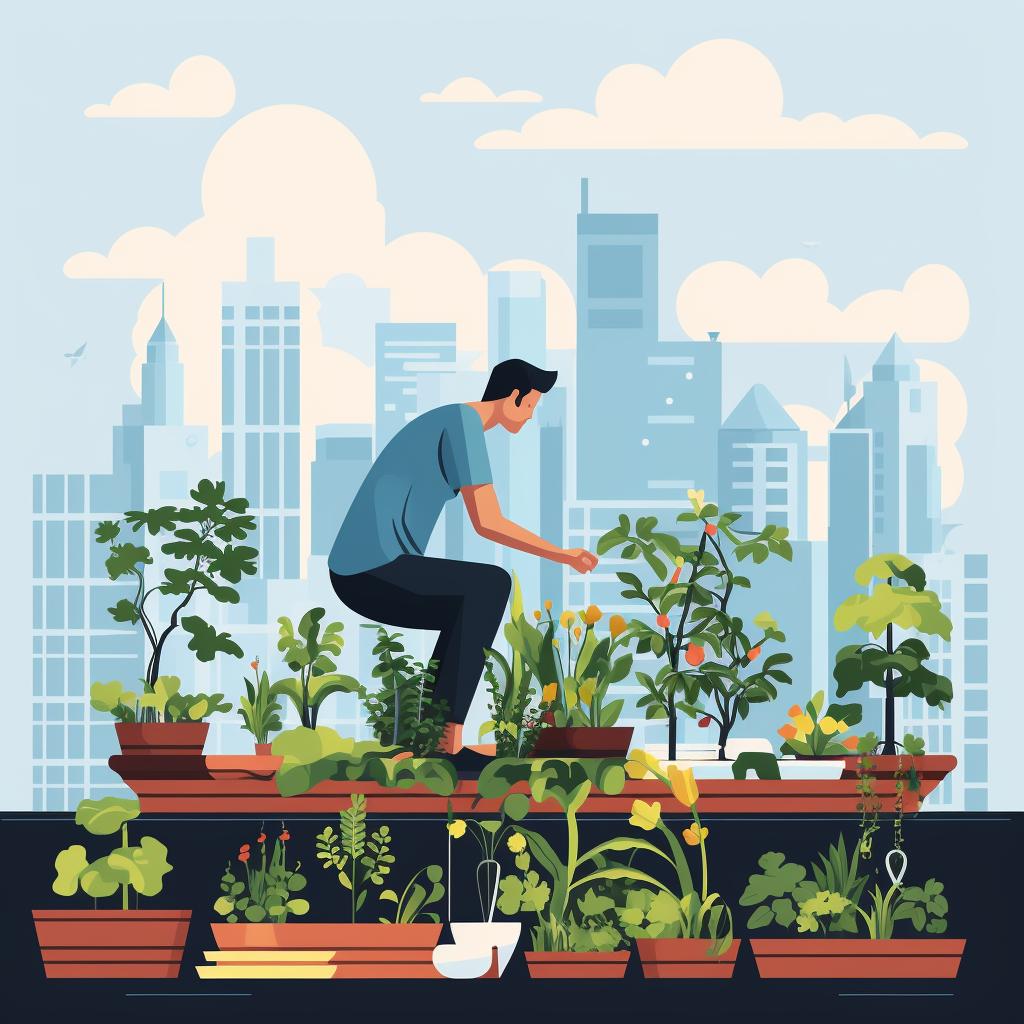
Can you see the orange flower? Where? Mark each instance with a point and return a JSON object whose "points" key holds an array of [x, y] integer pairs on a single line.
{"points": [[663, 621], [536, 614], [244, 848], [285, 836], [616, 626], [795, 710], [592, 615], [577, 632], [850, 742], [788, 731], [255, 664], [262, 837], [243, 857], [693, 836], [711, 529], [753, 653]]}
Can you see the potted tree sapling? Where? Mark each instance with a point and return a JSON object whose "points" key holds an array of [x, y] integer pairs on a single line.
{"points": [[260, 710], [204, 559], [897, 599], [717, 690], [125, 942]]}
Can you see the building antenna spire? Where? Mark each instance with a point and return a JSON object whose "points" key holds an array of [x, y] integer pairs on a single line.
{"points": [[162, 305]]}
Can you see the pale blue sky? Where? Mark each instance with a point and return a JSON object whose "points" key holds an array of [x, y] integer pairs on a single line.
{"points": [[73, 183]]}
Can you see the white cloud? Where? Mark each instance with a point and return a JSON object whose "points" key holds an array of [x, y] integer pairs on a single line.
{"points": [[790, 302], [720, 94], [473, 90], [199, 87]]}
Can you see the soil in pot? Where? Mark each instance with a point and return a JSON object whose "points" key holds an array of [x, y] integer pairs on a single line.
{"points": [[162, 739], [577, 965], [111, 943], [858, 958], [685, 958], [583, 741]]}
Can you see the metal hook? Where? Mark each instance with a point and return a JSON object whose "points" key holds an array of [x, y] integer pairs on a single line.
{"points": [[896, 877]]}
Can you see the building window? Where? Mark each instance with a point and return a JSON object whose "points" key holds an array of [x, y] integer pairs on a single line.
{"points": [[975, 664], [252, 312], [976, 567], [743, 474], [975, 800], [776, 474], [975, 763], [252, 335], [976, 597], [271, 312], [291, 335], [37, 493], [975, 629], [976, 727], [776, 496], [291, 312], [271, 335], [615, 271], [777, 519], [227, 335], [54, 493], [976, 700], [776, 455], [915, 399], [227, 312]]}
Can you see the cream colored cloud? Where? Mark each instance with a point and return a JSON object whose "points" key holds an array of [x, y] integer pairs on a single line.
{"points": [[790, 302], [720, 94], [473, 90], [199, 87], [561, 306]]}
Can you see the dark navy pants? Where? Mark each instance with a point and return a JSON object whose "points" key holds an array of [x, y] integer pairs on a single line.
{"points": [[465, 601]]}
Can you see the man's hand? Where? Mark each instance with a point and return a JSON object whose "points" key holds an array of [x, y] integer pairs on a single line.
{"points": [[580, 559]]}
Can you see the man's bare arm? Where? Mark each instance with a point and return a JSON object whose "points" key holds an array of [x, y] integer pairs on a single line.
{"points": [[489, 521]]}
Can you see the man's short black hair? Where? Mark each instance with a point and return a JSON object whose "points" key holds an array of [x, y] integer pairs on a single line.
{"points": [[518, 375]]}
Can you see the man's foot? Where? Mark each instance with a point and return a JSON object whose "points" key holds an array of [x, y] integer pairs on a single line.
{"points": [[469, 762]]}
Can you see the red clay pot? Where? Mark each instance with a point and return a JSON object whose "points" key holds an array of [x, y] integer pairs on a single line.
{"points": [[577, 965], [359, 950], [148, 739], [583, 741], [111, 943], [858, 958], [685, 958], [264, 749]]}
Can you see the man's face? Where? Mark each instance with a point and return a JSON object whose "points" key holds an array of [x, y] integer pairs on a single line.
{"points": [[514, 417]]}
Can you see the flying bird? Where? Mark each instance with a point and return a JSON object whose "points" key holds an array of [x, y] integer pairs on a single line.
{"points": [[77, 354]]}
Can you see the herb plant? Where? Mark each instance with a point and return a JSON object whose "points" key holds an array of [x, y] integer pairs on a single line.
{"points": [[259, 708], [162, 703], [267, 891]]}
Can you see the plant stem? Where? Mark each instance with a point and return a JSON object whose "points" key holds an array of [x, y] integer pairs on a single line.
{"points": [[889, 744], [124, 885]]}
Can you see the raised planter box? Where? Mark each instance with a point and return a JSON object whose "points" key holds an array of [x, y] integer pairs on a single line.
{"points": [[685, 958], [858, 958], [578, 741], [304, 950], [577, 965], [111, 943], [244, 784]]}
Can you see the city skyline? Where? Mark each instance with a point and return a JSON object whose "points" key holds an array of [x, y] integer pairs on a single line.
{"points": [[863, 245]]}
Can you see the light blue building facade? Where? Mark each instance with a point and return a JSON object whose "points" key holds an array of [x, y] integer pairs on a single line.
{"points": [[344, 453], [261, 406]]}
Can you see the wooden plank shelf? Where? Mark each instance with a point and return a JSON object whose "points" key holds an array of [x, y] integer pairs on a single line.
{"points": [[245, 784]]}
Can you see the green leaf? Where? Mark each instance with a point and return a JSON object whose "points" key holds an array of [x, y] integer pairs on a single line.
{"points": [[779, 878], [144, 865], [70, 864], [206, 641], [105, 817]]}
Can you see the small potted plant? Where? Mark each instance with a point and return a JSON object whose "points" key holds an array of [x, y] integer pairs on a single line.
{"points": [[204, 558], [111, 943], [309, 651], [811, 734], [829, 903], [714, 690], [260, 710], [681, 931]]}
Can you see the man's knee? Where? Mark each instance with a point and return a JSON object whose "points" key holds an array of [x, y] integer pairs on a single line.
{"points": [[492, 581]]}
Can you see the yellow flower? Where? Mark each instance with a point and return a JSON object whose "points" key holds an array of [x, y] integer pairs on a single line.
{"points": [[577, 632], [457, 828], [567, 619], [517, 842], [691, 836], [592, 615], [549, 693], [587, 690], [841, 726], [696, 496], [684, 786], [547, 604], [640, 763], [554, 643], [645, 815], [803, 723], [828, 725], [616, 625], [536, 614]]}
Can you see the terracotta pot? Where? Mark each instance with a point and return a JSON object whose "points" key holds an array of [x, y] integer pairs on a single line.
{"points": [[264, 749], [685, 958], [351, 950], [177, 739], [583, 741], [577, 965], [858, 958], [111, 943]]}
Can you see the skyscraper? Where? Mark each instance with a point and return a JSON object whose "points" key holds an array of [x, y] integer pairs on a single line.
{"points": [[343, 456], [404, 351], [156, 459], [260, 406], [762, 465]]}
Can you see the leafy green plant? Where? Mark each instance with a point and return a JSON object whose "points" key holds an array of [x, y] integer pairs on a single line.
{"points": [[259, 708], [141, 867], [163, 703], [925, 908], [813, 734], [310, 654], [361, 860], [720, 690], [685, 911], [404, 712], [205, 560], [516, 719], [488, 835], [267, 893], [898, 669]]}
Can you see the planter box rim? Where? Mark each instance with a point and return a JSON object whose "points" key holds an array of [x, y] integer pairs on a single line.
{"points": [[115, 915]]}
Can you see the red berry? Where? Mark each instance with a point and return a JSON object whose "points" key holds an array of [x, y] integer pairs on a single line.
{"points": [[694, 654], [753, 653], [704, 722], [663, 621], [710, 529]]}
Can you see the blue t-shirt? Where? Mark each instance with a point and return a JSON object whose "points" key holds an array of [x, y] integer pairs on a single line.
{"points": [[423, 466]]}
